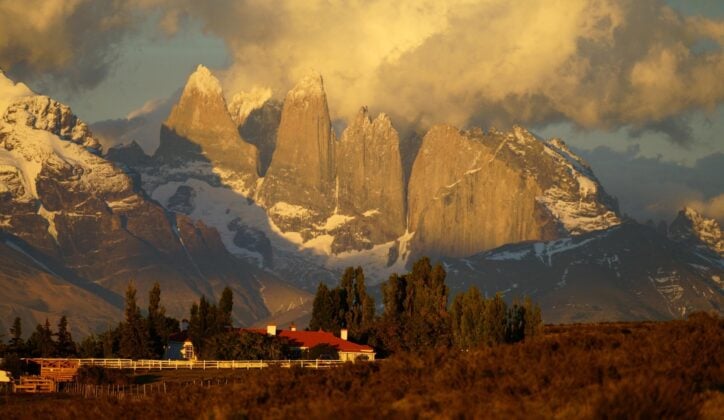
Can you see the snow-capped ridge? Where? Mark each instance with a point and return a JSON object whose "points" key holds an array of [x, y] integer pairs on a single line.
{"points": [[204, 82], [690, 226], [310, 85], [44, 113], [11, 91]]}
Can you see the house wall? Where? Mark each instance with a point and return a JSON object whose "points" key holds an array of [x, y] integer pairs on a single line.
{"points": [[352, 356]]}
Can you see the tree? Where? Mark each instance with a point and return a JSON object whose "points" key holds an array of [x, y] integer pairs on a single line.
{"points": [[468, 318], [64, 346], [323, 312], [515, 326], [245, 346], [40, 343], [532, 320], [91, 347], [226, 306], [416, 306], [134, 341], [496, 319], [17, 345], [156, 322], [346, 306]]}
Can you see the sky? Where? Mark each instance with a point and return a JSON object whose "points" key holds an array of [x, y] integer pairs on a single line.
{"points": [[636, 86]]}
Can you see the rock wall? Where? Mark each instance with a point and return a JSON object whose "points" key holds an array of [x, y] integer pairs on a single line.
{"points": [[302, 171]]}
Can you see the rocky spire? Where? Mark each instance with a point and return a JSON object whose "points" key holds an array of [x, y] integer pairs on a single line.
{"points": [[692, 228], [200, 128], [302, 170], [369, 168]]}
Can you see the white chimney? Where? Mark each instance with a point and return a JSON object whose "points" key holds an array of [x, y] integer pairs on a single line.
{"points": [[343, 334], [271, 330]]}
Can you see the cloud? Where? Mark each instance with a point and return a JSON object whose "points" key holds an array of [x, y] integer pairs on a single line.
{"points": [[650, 188], [142, 125], [599, 63], [676, 129], [713, 207], [71, 42]]}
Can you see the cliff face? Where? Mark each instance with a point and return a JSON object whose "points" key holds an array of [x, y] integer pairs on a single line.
{"points": [[200, 128], [472, 191], [299, 186], [370, 176]]}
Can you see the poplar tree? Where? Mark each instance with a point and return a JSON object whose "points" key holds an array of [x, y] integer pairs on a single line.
{"points": [[17, 345], [64, 345], [323, 311], [156, 322], [40, 343], [134, 342], [226, 306]]}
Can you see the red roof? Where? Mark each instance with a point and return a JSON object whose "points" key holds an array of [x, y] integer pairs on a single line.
{"points": [[309, 339]]}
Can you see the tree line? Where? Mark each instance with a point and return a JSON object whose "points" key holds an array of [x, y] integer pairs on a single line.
{"points": [[136, 337], [416, 313], [416, 317]]}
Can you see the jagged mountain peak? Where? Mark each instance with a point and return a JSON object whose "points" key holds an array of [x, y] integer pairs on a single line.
{"points": [[363, 121], [692, 227], [203, 82], [310, 85], [43, 113], [11, 91]]}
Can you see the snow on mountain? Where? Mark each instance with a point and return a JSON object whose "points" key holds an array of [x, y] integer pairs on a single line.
{"points": [[243, 103], [200, 130], [503, 187], [82, 219], [323, 201], [11, 91], [626, 272], [203, 82], [696, 230]]}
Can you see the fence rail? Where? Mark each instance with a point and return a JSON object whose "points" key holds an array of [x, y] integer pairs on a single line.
{"points": [[195, 364]]}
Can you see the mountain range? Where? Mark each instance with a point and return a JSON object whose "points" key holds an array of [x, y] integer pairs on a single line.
{"points": [[266, 197]]}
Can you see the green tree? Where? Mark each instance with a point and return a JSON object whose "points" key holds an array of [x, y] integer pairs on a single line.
{"points": [[156, 322], [468, 318], [323, 312], [134, 341], [496, 320], [65, 346], [40, 343], [226, 306], [245, 345], [515, 327], [91, 347], [532, 320], [416, 313], [16, 345]]}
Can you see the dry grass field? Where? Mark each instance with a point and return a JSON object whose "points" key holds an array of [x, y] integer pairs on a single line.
{"points": [[620, 370]]}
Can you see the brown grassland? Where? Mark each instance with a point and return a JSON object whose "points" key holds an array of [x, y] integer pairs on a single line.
{"points": [[617, 370]]}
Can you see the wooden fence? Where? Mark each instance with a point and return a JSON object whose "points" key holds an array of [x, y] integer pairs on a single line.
{"points": [[192, 364], [139, 391]]}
